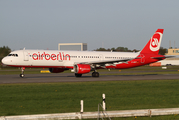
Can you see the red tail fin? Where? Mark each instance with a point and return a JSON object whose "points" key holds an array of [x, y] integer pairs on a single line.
{"points": [[153, 46]]}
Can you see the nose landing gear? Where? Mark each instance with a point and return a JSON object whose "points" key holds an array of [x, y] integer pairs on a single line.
{"points": [[22, 72]]}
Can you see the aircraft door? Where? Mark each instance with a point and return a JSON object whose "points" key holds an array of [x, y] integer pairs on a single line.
{"points": [[101, 57], [26, 56]]}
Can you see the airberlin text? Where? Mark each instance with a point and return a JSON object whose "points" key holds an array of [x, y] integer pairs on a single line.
{"points": [[46, 56]]}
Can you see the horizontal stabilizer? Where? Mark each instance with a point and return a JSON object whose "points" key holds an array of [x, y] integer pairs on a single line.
{"points": [[161, 58]]}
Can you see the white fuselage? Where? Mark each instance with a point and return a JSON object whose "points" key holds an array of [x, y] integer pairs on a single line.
{"points": [[57, 59]]}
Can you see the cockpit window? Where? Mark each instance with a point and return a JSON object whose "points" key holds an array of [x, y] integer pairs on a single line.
{"points": [[15, 55]]}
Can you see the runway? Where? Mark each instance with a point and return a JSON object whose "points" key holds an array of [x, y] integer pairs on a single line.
{"points": [[69, 77]]}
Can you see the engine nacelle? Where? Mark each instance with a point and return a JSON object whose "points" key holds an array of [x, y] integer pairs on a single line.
{"points": [[56, 70], [82, 68]]}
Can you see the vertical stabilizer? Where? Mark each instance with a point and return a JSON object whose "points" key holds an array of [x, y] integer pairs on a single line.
{"points": [[153, 46]]}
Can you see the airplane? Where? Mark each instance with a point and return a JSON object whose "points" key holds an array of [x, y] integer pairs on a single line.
{"points": [[82, 62]]}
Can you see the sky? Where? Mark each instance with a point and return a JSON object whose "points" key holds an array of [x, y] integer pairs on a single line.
{"points": [[42, 24]]}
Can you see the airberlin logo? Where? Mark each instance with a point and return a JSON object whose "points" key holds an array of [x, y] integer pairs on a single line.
{"points": [[155, 41], [46, 56]]}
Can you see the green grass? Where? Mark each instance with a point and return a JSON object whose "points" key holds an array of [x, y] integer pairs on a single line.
{"points": [[12, 70], [43, 98]]}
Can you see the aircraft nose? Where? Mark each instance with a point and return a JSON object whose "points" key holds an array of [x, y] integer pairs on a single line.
{"points": [[5, 61]]}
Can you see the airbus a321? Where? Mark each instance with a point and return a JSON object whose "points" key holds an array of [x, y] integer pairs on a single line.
{"points": [[82, 62]]}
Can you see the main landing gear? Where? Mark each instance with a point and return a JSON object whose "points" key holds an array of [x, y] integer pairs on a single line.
{"points": [[22, 72], [95, 74]]}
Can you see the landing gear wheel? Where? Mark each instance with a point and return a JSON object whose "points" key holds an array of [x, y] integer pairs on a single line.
{"points": [[21, 75], [95, 74], [22, 72], [78, 75]]}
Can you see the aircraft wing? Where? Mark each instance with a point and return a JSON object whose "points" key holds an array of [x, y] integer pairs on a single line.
{"points": [[101, 62]]}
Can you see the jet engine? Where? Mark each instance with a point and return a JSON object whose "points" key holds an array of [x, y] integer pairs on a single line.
{"points": [[56, 70], [82, 68]]}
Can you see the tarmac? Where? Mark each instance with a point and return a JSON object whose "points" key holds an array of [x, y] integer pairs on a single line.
{"points": [[70, 77]]}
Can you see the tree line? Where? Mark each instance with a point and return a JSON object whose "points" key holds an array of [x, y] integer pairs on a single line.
{"points": [[162, 50], [4, 51], [118, 49]]}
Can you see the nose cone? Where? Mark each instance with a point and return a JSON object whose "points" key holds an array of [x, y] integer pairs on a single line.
{"points": [[5, 61]]}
